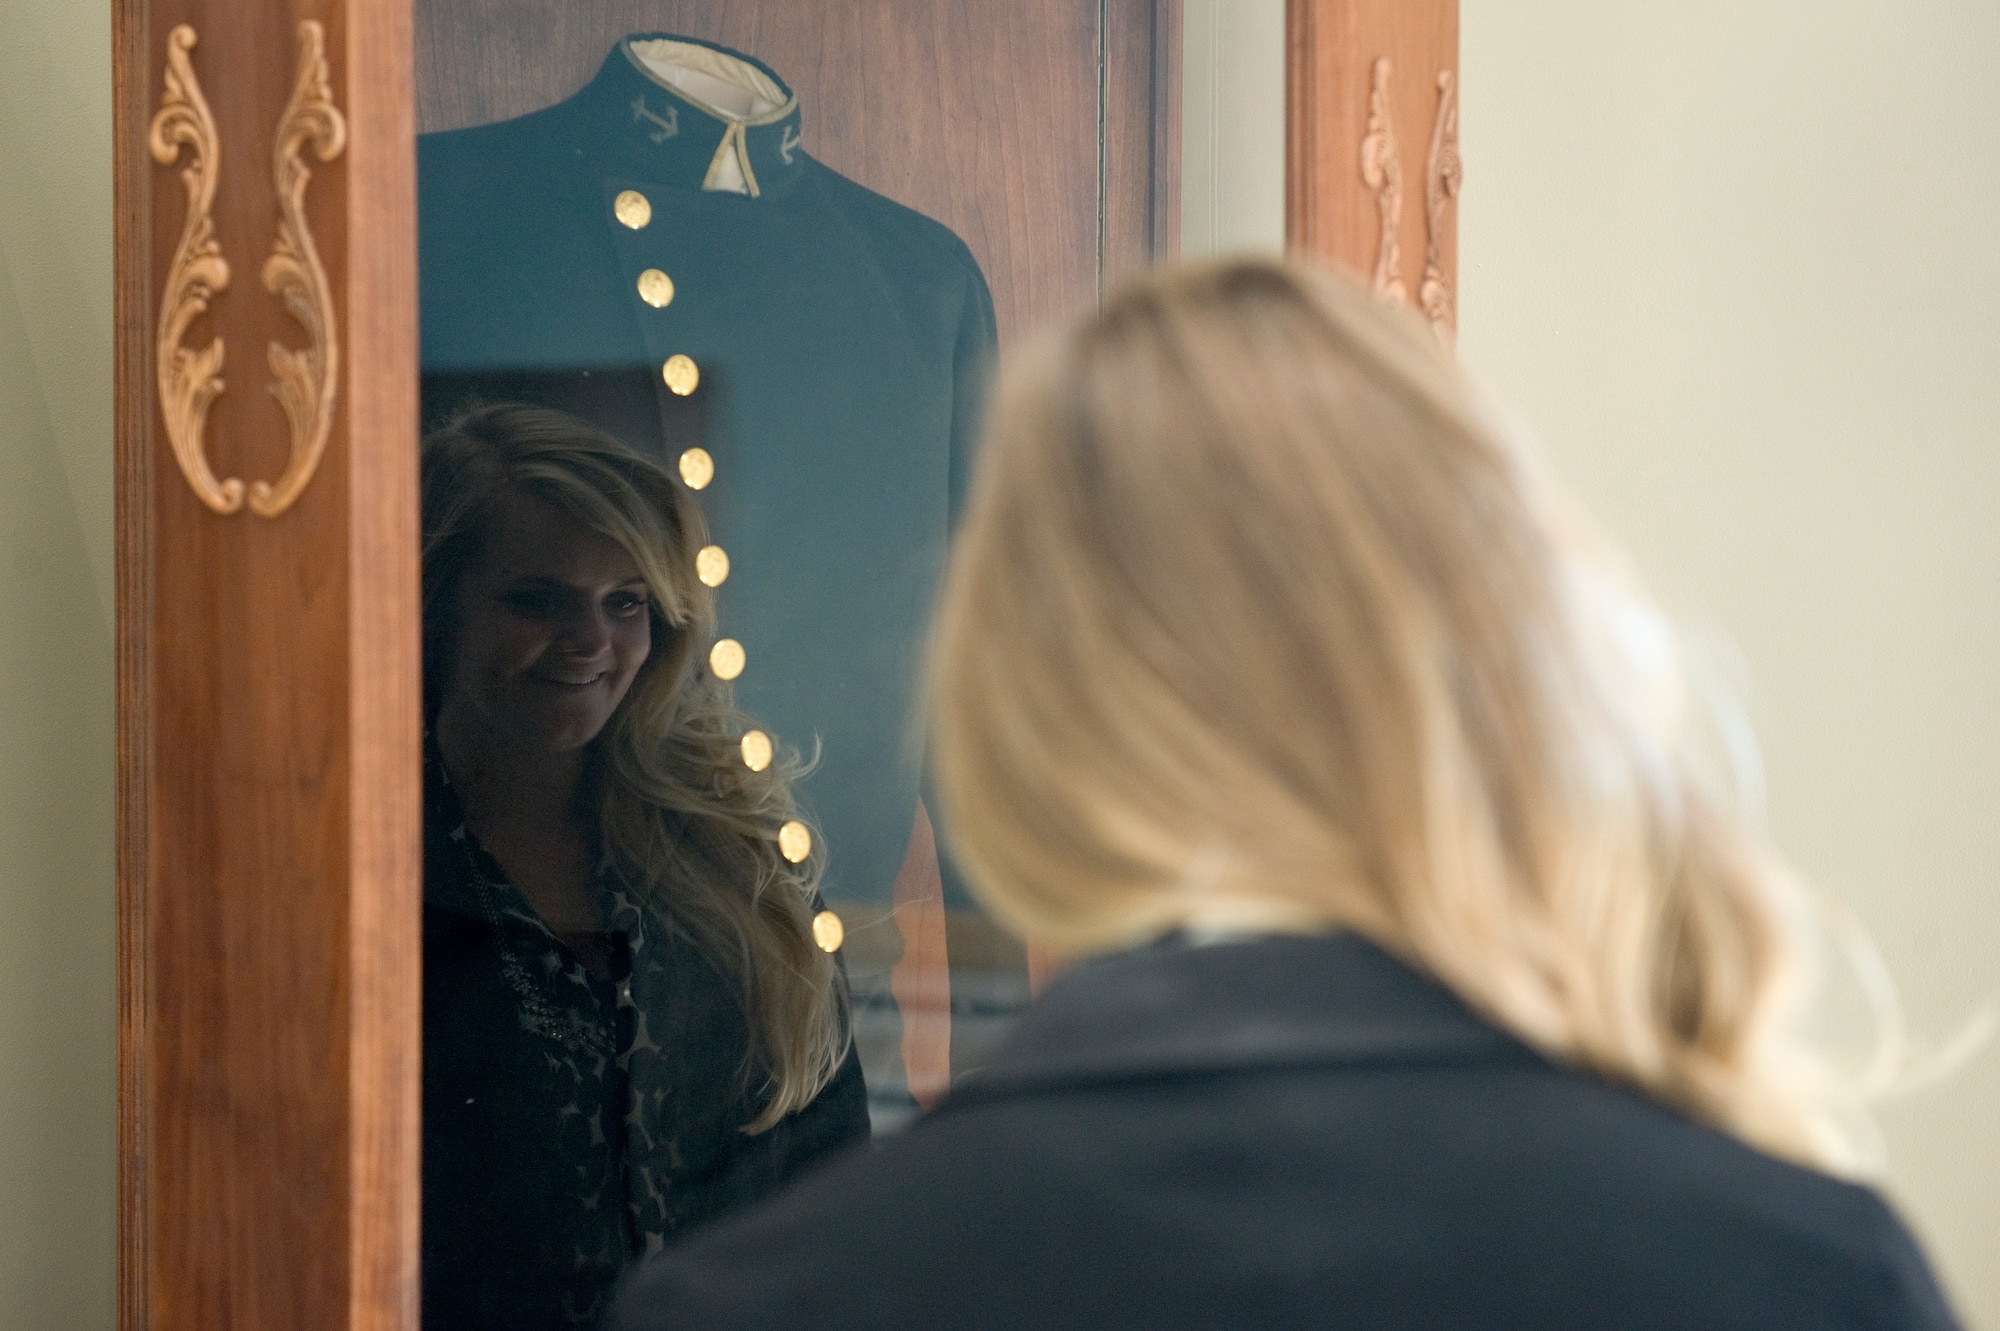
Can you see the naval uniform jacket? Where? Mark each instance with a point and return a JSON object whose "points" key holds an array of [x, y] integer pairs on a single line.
{"points": [[839, 343], [1293, 1133], [574, 1121]]}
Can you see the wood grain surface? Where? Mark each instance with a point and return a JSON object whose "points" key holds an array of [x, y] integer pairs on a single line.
{"points": [[384, 728], [133, 425], [268, 722], [1332, 46], [246, 1058]]}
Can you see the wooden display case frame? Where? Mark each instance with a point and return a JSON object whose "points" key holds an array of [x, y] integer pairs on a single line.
{"points": [[268, 644]]}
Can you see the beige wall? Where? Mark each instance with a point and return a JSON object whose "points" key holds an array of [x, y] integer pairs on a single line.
{"points": [[1232, 126], [1739, 263], [57, 986]]}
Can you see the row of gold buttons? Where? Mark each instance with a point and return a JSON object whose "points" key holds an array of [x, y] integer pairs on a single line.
{"points": [[711, 564], [635, 210]]}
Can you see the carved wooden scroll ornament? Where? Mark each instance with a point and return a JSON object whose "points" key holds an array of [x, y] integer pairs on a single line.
{"points": [[308, 378], [1442, 177], [190, 379], [1382, 171]]}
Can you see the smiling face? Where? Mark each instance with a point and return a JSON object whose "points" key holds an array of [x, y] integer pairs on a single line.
{"points": [[551, 629]]}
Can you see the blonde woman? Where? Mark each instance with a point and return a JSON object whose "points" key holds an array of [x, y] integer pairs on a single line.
{"points": [[1422, 980], [627, 1025]]}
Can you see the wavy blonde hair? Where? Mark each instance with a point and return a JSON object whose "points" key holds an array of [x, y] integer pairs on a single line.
{"points": [[683, 820], [1258, 619]]}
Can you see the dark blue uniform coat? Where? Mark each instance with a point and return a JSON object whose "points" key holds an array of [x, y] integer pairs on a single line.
{"points": [[840, 340], [1293, 1133]]}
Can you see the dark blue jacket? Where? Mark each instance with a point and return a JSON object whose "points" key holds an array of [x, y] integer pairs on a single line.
{"points": [[575, 1121], [1293, 1133]]}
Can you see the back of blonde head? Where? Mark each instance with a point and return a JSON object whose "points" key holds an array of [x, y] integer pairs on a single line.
{"points": [[1259, 621]]}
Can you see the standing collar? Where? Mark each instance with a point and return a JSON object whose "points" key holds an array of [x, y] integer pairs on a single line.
{"points": [[1273, 1002], [640, 127]]}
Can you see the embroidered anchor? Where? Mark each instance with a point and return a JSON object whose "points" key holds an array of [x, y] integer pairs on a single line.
{"points": [[670, 124], [788, 142]]}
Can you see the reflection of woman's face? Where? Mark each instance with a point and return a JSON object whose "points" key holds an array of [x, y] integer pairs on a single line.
{"points": [[552, 627]]}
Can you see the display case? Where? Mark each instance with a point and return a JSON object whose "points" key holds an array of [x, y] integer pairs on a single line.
{"points": [[776, 250]]}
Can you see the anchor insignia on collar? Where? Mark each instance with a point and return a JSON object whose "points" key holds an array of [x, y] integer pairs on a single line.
{"points": [[670, 124], [788, 142]]}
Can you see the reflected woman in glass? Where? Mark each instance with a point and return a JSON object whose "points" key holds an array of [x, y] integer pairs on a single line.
{"points": [[628, 1023]]}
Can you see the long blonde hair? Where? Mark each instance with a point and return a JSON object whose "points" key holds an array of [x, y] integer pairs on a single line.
{"points": [[683, 820], [1259, 619]]}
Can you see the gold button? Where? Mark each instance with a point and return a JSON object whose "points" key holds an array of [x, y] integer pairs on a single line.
{"points": [[656, 288], [795, 841], [680, 374], [697, 468], [726, 658], [711, 565], [756, 750], [632, 208], [828, 931]]}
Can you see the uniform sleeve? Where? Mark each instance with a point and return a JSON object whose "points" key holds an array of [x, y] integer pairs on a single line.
{"points": [[972, 380], [972, 375]]}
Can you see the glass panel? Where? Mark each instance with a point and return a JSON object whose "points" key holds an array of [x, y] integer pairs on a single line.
{"points": [[675, 781]]}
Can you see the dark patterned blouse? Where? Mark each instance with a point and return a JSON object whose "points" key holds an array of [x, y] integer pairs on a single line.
{"points": [[577, 1117]]}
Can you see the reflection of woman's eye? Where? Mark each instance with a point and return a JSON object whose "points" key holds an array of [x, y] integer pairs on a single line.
{"points": [[627, 605], [534, 602]]}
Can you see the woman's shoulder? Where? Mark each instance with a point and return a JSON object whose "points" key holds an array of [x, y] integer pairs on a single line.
{"points": [[1646, 1202], [1244, 1204], [1320, 1139], [1343, 1081]]}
